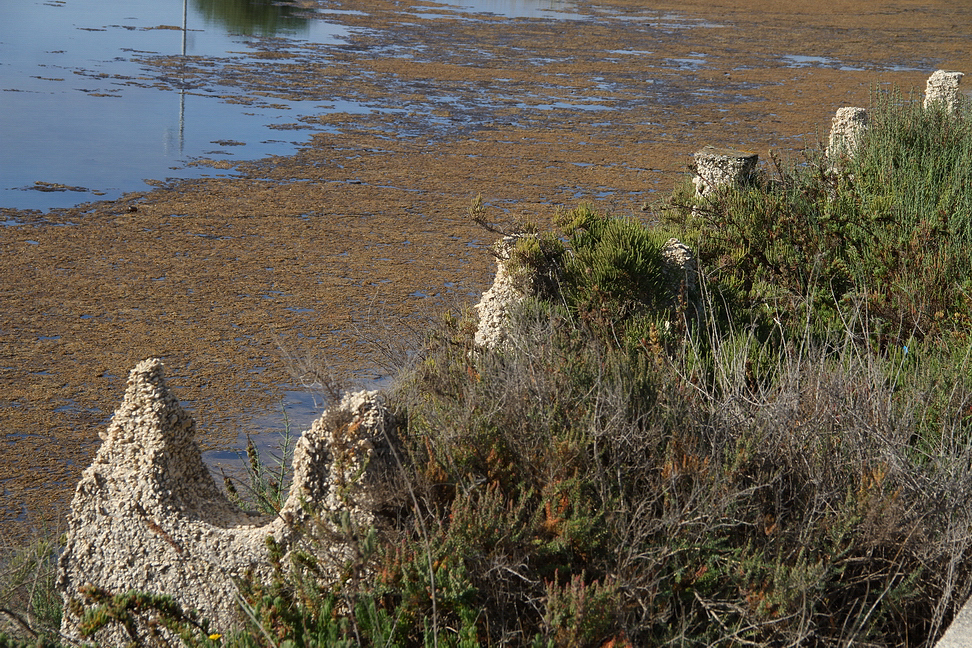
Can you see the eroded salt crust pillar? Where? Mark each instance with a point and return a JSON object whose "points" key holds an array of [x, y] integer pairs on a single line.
{"points": [[680, 269], [943, 88], [148, 516], [497, 303], [846, 130], [717, 167]]}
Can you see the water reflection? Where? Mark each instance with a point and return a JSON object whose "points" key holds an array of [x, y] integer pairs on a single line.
{"points": [[252, 17], [83, 118]]}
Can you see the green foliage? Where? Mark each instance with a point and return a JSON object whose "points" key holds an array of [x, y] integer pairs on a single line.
{"points": [[102, 609], [887, 229], [13, 642], [266, 484], [581, 613], [788, 466], [615, 262], [535, 263]]}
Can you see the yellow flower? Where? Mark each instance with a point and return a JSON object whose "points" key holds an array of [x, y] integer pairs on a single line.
{"points": [[215, 636]]}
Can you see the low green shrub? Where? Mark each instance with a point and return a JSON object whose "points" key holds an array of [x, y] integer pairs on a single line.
{"points": [[888, 229], [789, 465]]}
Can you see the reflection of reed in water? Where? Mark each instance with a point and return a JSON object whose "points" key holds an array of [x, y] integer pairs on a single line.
{"points": [[246, 17], [182, 90], [252, 17], [182, 80]]}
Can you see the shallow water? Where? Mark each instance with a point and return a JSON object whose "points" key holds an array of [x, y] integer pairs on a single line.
{"points": [[554, 9], [274, 432], [98, 99], [82, 118], [85, 116]]}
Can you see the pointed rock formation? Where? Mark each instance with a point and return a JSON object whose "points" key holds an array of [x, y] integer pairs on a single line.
{"points": [[496, 303], [148, 516]]}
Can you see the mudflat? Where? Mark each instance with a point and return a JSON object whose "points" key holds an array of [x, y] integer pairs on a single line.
{"points": [[336, 258]]}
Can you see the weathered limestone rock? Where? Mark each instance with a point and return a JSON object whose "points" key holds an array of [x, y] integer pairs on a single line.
{"points": [[148, 516], [943, 87], [680, 268], [717, 167], [496, 303], [846, 130], [959, 633]]}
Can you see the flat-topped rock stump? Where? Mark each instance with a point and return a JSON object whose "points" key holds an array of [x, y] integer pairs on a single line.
{"points": [[942, 87], [718, 167]]}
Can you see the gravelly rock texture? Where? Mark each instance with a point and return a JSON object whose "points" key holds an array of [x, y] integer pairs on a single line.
{"points": [[943, 87], [495, 305], [716, 167], [148, 516], [320, 250], [846, 131], [680, 269]]}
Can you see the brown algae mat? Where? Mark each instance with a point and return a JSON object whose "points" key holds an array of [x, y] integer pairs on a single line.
{"points": [[338, 256]]}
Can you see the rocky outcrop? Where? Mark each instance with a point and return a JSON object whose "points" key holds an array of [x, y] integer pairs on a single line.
{"points": [[717, 167], [849, 124], [496, 303], [680, 269], [148, 516], [959, 633], [846, 130], [943, 88]]}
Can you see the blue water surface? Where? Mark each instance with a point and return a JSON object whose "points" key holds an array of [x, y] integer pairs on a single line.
{"points": [[78, 110]]}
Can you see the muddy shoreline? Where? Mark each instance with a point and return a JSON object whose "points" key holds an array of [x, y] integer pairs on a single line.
{"points": [[338, 256]]}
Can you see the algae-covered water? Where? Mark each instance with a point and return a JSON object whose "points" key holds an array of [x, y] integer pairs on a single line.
{"points": [[84, 115]]}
